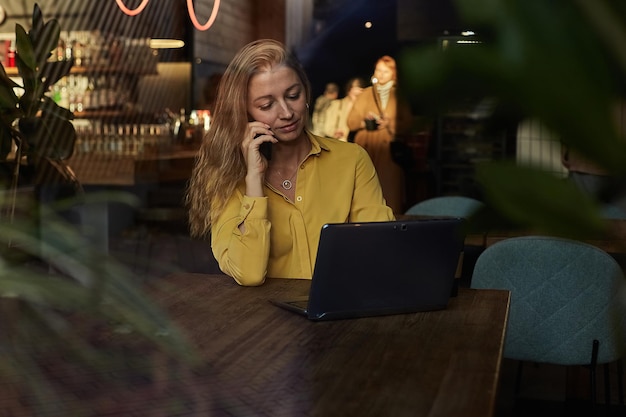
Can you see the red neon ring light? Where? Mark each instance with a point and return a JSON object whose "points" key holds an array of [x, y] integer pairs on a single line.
{"points": [[194, 19], [131, 12], [192, 13]]}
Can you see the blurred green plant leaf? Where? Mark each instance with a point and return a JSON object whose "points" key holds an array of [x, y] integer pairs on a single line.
{"points": [[560, 62], [88, 281], [556, 203]]}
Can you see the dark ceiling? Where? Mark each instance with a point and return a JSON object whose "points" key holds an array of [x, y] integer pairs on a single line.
{"points": [[341, 47]]}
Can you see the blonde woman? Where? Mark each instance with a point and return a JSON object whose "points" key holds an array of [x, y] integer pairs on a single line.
{"points": [[264, 216]]}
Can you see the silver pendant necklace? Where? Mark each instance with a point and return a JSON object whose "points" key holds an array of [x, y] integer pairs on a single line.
{"points": [[287, 183]]}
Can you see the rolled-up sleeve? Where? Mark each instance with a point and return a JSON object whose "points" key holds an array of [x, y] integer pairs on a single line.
{"points": [[243, 256]]}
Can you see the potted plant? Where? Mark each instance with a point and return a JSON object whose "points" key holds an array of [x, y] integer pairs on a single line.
{"points": [[35, 132]]}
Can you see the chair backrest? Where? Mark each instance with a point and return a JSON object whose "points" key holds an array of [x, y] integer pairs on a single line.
{"points": [[455, 206], [564, 294], [610, 211]]}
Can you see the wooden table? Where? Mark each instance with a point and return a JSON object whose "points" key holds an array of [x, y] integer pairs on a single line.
{"points": [[266, 361], [614, 242]]}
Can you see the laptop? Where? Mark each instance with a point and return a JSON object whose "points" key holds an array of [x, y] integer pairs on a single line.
{"points": [[380, 268]]}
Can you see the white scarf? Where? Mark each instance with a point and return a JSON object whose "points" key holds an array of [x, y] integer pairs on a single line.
{"points": [[383, 92]]}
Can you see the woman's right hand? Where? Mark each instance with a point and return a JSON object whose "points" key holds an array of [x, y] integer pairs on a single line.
{"points": [[256, 134]]}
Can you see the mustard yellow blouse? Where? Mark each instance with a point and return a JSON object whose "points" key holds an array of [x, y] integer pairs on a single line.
{"points": [[336, 183]]}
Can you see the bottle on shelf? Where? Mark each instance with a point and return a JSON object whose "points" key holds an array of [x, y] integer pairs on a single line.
{"points": [[11, 55]]}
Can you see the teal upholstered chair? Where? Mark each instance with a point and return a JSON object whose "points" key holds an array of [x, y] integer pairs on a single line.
{"points": [[567, 302], [455, 206]]}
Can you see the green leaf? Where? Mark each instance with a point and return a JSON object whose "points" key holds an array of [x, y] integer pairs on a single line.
{"points": [[59, 142], [47, 42], [52, 72], [6, 141], [538, 199], [50, 107], [49, 136], [38, 24], [29, 104], [24, 47], [8, 99], [6, 80], [608, 25], [45, 290], [29, 100]]}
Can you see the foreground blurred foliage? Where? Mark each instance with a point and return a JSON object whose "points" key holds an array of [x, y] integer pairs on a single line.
{"points": [[66, 304], [67, 308], [561, 62]]}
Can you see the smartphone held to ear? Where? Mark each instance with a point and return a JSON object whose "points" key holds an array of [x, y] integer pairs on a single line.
{"points": [[265, 148]]}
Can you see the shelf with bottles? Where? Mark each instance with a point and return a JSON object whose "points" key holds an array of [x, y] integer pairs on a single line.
{"points": [[83, 93], [115, 138], [142, 136], [105, 72], [93, 52]]}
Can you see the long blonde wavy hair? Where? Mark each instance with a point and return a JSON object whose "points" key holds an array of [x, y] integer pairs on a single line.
{"points": [[220, 165]]}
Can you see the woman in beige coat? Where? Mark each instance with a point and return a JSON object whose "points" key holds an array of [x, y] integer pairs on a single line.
{"points": [[336, 124], [378, 116]]}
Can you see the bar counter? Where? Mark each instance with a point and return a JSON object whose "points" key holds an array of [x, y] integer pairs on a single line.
{"points": [[169, 164]]}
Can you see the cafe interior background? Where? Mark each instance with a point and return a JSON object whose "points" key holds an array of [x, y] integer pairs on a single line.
{"points": [[141, 105], [131, 95], [139, 91], [122, 85], [143, 72]]}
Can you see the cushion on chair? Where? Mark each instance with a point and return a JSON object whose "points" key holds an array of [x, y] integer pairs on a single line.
{"points": [[564, 294], [457, 206]]}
